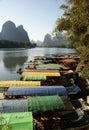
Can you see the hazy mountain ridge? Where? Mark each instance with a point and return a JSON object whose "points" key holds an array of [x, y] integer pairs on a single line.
{"points": [[11, 32], [57, 40]]}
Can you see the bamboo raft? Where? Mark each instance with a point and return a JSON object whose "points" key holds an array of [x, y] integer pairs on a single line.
{"points": [[41, 73]]}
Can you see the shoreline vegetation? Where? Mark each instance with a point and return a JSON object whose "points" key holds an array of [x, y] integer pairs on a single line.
{"points": [[16, 44], [76, 29]]}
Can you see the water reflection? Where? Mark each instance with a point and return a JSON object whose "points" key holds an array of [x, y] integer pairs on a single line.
{"points": [[12, 62], [12, 59]]}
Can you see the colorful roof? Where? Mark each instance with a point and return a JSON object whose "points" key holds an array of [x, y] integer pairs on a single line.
{"points": [[35, 70], [45, 103], [34, 77], [16, 121], [8, 83], [48, 66], [41, 73], [37, 91], [13, 105]]}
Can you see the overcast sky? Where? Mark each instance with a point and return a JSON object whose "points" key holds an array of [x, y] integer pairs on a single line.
{"points": [[37, 16]]}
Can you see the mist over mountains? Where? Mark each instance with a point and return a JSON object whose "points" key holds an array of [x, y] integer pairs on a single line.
{"points": [[58, 40], [12, 33]]}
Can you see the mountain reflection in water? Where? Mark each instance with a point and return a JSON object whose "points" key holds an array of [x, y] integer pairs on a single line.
{"points": [[12, 59]]}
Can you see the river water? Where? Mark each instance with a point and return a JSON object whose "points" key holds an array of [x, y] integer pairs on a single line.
{"points": [[12, 59]]}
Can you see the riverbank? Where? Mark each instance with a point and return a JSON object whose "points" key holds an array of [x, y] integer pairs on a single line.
{"points": [[82, 70]]}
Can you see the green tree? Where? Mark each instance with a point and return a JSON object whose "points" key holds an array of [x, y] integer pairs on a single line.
{"points": [[15, 44], [75, 21]]}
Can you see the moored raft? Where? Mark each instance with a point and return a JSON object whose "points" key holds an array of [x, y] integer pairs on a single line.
{"points": [[37, 91], [42, 91], [47, 71], [37, 62], [73, 90], [71, 63], [8, 83], [37, 104], [77, 120], [50, 66]]}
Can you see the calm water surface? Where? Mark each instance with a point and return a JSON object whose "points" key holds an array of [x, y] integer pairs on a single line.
{"points": [[12, 59]]}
